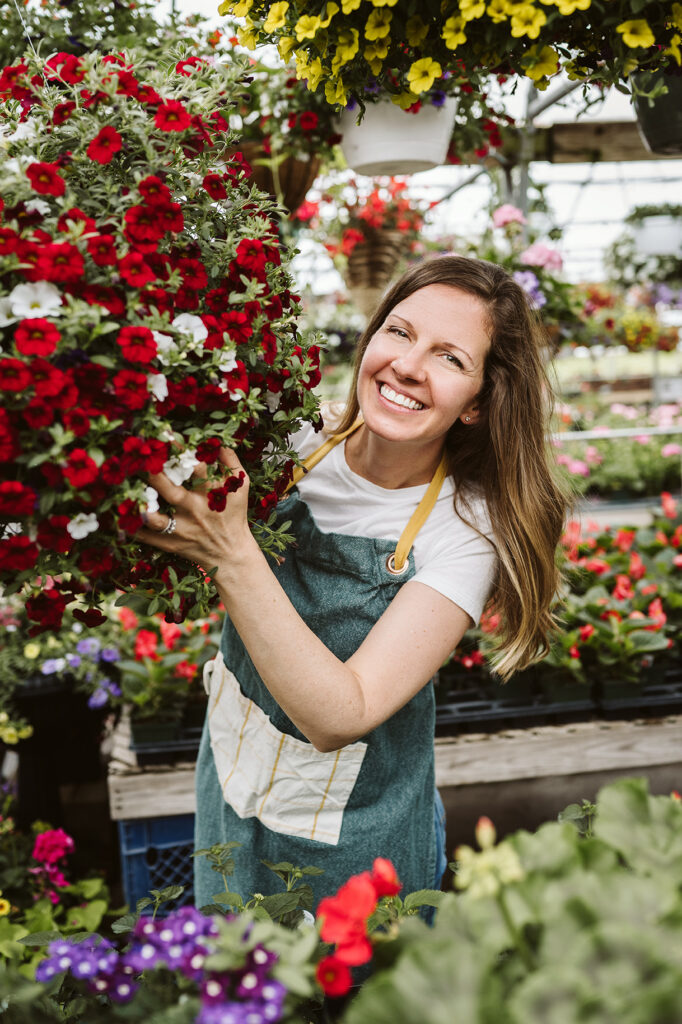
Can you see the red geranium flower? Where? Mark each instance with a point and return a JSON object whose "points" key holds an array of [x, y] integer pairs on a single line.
{"points": [[80, 469], [137, 344], [52, 845], [105, 145], [172, 116], [46, 179], [36, 337], [145, 645]]}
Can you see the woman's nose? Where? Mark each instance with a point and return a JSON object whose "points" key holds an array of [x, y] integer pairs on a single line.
{"points": [[409, 365]]}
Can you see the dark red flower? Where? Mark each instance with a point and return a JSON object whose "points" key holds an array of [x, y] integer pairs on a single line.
{"points": [[147, 94], [60, 261], [90, 617], [309, 121], [11, 76], [45, 179], [217, 496], [251, 256], [237, 379], [52, 534], [78, 421], [193, 273], [101, 295], [9, 241], [209, 450], [143, 455], [16, 499], [36, 337], [131, 388], [76, 216], [38, 413], [80, 469], [135, 271], [66, 67], [112, 472], [95, 562], [18, 553], [62, 112], [137, 344], [102, 249], [186, 66], [171, 217], [142, 225], [129, 518], [105, 145], [14, 375], [153, 190], [215, 186], [172, 116], [8, 438], [48, 380], [333, 976], [46, 609]]}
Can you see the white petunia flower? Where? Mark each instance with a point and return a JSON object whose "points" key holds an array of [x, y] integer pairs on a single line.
{"points": [[38, 206], [187, 323], [82, 524], [165, 346], [151, 499], [25, 130], [180, 467], [36, 299], [272, 400], [157, 386], [228, 362], [6, 313]]}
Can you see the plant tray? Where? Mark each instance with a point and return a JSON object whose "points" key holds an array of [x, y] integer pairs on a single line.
{"points": [[156, 853], [184, 747]]}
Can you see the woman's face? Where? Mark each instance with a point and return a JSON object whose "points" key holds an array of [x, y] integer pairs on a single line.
{"points": [[423, 369]]}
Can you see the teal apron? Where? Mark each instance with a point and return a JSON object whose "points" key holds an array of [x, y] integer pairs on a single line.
{"points": [[340, 585]]}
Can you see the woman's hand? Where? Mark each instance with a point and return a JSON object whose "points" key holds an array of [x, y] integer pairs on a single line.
{"points": [[210, 522]]}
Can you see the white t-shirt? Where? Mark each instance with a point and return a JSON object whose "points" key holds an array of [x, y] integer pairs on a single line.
{"points": [[449, 555]]}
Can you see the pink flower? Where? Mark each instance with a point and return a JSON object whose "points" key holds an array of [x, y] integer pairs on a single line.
{"points": [[592, 456], [52, 845], [507, 214], [670, 449], [578, 467], [539, 255]]}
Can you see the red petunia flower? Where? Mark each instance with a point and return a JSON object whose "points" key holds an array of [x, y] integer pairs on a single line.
{"points": [[78, 421], [46, 609], [90, 617], [172, 116], [66, 67], [52, 534], [143, 455], [36, 337], [18, 553], [80, 469], [135, 271], [9, 241], [193, 273], [209, 450], [62, 112], [333, 976], [8, 439], [309, 121], [142, 224], [76, 216], [130, 388], [137, 344], [188, 65], [45, 179], [38, 414], [105, 145], [16, 499], [217, 496], [153, 190], [102, 250], [215, 186], [171, 217], [14, 375], [60, 261], [251, 256]]}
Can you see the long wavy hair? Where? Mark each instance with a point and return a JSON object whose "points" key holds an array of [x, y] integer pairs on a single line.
{"points": [[504, 456]]}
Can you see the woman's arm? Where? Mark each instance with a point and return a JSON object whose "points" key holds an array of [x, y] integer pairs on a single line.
{"points": [[332, 702]]}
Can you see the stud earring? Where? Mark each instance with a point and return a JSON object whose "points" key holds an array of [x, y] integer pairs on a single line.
{"points": [[467, 419]]}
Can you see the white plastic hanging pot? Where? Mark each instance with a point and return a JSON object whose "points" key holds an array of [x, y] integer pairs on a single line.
{"points": [[390, 140], [659, 235]]}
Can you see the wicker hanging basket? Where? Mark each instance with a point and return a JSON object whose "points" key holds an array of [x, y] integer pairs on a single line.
{"points": [[372, 265], [294, 176]]}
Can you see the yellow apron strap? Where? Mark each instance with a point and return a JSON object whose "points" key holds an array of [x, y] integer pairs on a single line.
{"points": [[319, 453], [397, 563]]}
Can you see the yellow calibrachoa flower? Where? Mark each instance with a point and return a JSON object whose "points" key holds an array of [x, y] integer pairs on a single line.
{"points": [[378, 25], [335, 92], [308, 26], [404, 99], [248, 36], [471, 9], [346, 48], [277, 16], [636, 33], [415, 30], [314, 73], [239, 9], [5, 905], [423, 74], [674, 48], [375, 54], [453, 32], [567, 7], [545, 62], [497, 11], [32, 651], [676, 15], [527, 21], [384, 3], [285, 47], [348, 6]]}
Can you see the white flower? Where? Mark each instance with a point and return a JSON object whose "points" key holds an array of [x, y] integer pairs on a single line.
{"points": [[82, 524], [165, 346], [187, 323], [25, 130], [272, 400], [157, 386], [38, 206], [39, 298], [180, 467], [6, 313], [151, 499], [228, 362], [11, 530]]}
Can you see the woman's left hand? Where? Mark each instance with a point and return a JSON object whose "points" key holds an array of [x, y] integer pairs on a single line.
{"points": [[196, 531]]}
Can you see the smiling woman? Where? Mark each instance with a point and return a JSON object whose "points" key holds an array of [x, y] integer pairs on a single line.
{"points": [[432, 497]]}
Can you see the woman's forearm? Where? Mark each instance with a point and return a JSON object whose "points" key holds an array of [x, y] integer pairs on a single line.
{"points": [[321, 695]]}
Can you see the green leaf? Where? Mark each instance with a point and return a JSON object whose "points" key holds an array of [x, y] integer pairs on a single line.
{"points": [[423, 898], [125, 923], [229, 899], [40, 938], [279, 903]]}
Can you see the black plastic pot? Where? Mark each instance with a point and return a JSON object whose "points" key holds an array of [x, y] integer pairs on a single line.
{"points": [[660, 123]]}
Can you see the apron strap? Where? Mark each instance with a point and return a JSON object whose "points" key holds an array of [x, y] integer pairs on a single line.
{"points": [[396, 563]]}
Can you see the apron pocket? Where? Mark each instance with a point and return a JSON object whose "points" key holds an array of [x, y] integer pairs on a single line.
{"points": [[264, 773]]}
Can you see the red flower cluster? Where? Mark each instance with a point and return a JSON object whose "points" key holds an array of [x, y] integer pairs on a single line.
{"points": [[150, 322], [344, 922]]}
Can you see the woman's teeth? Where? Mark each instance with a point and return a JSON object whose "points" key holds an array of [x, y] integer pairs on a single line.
{"points": [[397, 399]]}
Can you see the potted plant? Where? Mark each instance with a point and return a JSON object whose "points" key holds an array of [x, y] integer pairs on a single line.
{"points": [[120, 354], [367, 232], [657, 99]]}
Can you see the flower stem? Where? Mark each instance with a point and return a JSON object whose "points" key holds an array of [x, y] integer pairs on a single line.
{"points": [[516, 934]]}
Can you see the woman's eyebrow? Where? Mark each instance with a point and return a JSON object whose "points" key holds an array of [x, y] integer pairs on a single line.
{"points": [[443, 341]]}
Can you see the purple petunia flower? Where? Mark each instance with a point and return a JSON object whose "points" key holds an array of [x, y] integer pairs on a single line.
{"points": [[89, 646], [531, 286], [109, 654], [437, 98]]}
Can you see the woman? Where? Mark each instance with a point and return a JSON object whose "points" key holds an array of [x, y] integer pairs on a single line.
{"points": [[433, 494]]}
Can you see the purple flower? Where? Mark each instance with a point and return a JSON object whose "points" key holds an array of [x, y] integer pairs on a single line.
{"points": [[109, 654], [74, 660], [437, 97], [531, 286], [98, 699], [89, 646], [53, 665]]}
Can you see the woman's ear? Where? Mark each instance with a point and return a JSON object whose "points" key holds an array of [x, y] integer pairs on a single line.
{"points": [[470, 415]]}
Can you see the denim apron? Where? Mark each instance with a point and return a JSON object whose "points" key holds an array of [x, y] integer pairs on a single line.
{"points": [[260, 783]]}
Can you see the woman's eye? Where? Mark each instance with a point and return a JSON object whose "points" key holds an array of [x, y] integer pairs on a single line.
{"points": [[399, 331], [453, 360]]}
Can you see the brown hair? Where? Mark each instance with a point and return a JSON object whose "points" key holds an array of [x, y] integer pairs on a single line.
{"points": [[504, 456]]}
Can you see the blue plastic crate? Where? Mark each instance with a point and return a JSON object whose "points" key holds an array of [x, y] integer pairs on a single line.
{"points": [[155, 853]]}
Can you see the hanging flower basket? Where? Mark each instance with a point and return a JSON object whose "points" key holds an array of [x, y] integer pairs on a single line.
{"points": [[390, 140], [287, 180], [371, 266], [660, 119]]}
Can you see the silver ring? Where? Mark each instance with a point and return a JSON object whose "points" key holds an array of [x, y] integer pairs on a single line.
{"points": [[170, 526]]}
